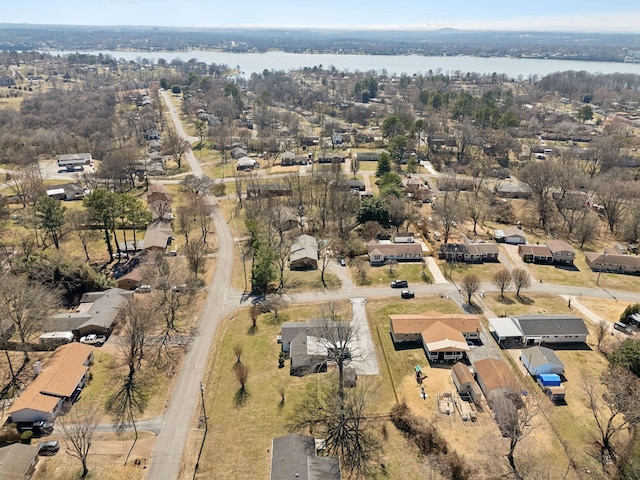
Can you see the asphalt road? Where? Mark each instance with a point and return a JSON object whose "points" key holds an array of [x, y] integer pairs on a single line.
{"points": [[172, 437]]}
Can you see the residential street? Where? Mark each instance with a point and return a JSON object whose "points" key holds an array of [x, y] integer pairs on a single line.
{"points": [[173, 427]]}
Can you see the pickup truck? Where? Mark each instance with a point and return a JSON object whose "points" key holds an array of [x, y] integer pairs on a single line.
{"points": [[93, 339]]}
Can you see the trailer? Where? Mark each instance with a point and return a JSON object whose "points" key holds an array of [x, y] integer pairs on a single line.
{"points": [[74, 160], [551, 385]]}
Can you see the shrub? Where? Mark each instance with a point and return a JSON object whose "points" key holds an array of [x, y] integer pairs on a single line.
{"points": [[630, 310], [26, 437]]}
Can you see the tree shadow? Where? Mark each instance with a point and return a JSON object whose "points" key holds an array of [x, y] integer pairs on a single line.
{"points": [[525, 300], [252, 330], [241, 396], [505, 300]]}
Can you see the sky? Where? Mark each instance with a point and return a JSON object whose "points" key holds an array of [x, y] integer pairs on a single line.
{"points": [[567, 15]]}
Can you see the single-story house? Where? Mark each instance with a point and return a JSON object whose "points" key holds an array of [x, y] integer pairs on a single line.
{"points": [[18, 461], [132, 279], [157, 236], [304, 254], [382, 252], [331, 157], [443, 343], [539, 360], [537, 329], [288, 158], [612, 262], [238, 152], [294, 456], [154, 145], [469, 252], [496, 379], [511, 190], [465, 383], [305, 345], [561, 251], [96, 313], [130, 246], [286, 218], [535, 253], [349, 184], [409, 327], [246, 163], [268, 190], [158, 193], [403, 237], [368, 156], [512, 235], [59, 383]]}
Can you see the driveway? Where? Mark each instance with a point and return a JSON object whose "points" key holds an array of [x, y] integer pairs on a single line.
{"points": [[437, 275], [363, 352], [342, 273]]}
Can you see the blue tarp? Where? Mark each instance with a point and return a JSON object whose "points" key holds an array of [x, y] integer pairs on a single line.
{"points": [[549, 379]]}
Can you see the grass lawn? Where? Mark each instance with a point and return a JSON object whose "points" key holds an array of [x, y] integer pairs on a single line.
{"points": [[607, 308], [528, 304], [457, 270], [384, 275]]}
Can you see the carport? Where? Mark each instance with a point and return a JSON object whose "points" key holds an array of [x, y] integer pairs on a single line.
{"points": [[504, 329]]}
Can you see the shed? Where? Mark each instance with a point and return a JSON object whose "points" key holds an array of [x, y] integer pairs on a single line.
{"points": [[18, 461], [511, 235], [465, 383], [541, 361]]}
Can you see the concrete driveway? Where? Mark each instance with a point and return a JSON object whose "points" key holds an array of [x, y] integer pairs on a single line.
{"points": [[362, 350]]}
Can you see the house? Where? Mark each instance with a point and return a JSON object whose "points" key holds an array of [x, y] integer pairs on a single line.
{"points": [[381, 252], [511, 235], [268, 190], [612, 262], [66, 191], [349, 184], [304, 254], [305, 344], [496, 380], [238, 153], [540, 360], [154, 145], [56, 386], [469, 252], [157, 192], [511, 190], [96, 313], [157, 236], [132, 279], [294, 456], [562, 252], [403, 237], [465, 383], [535, 253], [285, 218], [537, 329], [331, 157], [18, 461], [246, 163], [288, 159], [368, 156], [409, 327], [443, 343]]}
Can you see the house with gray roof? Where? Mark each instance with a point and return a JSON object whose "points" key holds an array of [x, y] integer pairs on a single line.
{"points": [[304, 254], [295, 456], [537, 329], [18, 461], [470, 252], [96, 313]]}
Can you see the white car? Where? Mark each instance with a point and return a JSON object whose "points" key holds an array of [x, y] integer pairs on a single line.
{"points": [[93, 339]]}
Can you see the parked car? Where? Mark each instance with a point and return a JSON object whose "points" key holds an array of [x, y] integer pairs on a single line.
{"points": [[143, 289], [407, 294], [39, 428], [93, 339], [48, 448], [399, 284], [343, 262]]}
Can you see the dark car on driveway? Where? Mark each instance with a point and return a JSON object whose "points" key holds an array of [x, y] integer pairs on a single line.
{"points": [[407, 294], [48, 448], [399, 284]]}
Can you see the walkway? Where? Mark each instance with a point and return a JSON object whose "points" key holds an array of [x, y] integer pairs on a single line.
{"points": [[437, 275]]}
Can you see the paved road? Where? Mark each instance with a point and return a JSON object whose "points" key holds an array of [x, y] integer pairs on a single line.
{"points": [[172, 437]]}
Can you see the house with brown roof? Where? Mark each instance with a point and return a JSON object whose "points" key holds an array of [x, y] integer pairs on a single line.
{"points": [[57, 385], [465, 383], [443, 343], [157, 236], [613, 262], [496, 379], [562, 252], [380, 252]]}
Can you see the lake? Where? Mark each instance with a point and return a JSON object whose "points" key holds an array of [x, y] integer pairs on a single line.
{"points": [[249, 63]]}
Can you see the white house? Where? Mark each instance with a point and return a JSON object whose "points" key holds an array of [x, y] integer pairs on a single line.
{"points": [[511, 235], [540, 360]]}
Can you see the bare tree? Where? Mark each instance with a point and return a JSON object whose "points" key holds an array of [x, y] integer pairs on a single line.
{"points": [[196, 253], [78, 220], [78, 428], [174, 146], [275, 303], [185, 220], [470, 285], [542, 178], [344, 423], [26, 304], [515, 420], [238, 350], [521, 279], [502, 280], [242, 375], [615, 410]]}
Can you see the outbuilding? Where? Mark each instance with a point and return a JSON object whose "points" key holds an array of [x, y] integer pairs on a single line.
{"points": [[465, 383], [541, 360]]}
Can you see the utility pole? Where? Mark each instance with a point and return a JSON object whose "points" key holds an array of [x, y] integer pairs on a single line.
{"points": [[604, 265]]}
